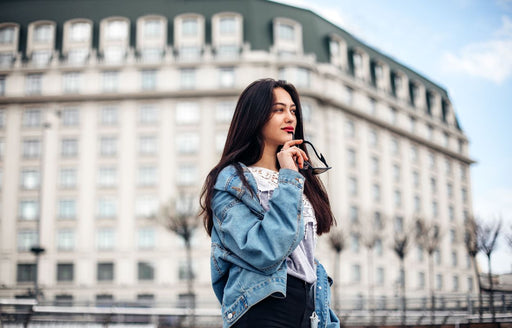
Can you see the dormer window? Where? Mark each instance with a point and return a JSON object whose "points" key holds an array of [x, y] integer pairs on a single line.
{"points": [[189, 36], [43, 33], [287, 37], [7, 34], [114, 39], [79, 32], [285, 32], [151, 37], [152, 28], [41, 40], [227, 26], [116, 30], [189, 27], [77, 40], [227, 36]]}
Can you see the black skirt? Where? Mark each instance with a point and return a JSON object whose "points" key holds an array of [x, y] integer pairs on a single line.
{"points": [[293, 311]]}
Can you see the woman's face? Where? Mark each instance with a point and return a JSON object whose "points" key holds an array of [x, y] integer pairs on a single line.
{"points": [[281, 125]]}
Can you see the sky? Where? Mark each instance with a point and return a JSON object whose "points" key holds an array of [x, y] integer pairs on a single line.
{"points": [[465, 46]]}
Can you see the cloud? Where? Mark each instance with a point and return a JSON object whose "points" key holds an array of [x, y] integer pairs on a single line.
{"points": [[491, 60]]}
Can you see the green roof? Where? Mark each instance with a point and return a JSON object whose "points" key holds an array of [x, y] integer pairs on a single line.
{"points": [[258, 16]]}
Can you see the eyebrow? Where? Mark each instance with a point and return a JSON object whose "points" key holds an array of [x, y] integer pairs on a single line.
{"points": [[283, 104]]}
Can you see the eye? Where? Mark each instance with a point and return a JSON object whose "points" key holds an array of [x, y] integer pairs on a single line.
{"points": [[293, 111]]}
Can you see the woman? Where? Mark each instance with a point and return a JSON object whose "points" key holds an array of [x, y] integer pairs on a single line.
{"points": [[263, 216]]}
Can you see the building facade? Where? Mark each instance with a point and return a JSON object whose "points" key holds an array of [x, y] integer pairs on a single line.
{"points": [[109, 110]]}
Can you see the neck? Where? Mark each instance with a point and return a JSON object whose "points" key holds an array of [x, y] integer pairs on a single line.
{"points": [[268, 159]]}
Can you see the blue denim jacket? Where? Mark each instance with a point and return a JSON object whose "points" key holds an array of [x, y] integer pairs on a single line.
{"points": [[250, 245]]}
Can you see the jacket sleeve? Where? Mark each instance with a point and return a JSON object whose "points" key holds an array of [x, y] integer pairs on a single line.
{"points": [[263, 242]]}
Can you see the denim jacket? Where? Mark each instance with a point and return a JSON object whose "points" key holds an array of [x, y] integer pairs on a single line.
{"points": [[249, 245]]}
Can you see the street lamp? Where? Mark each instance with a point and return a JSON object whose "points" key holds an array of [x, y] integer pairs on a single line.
{"points": [[37, 251]]}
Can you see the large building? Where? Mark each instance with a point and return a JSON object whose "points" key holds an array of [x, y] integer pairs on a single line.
{"points": [[111, 109]]}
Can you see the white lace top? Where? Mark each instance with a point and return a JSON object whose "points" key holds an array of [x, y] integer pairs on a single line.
{"points": [[301, 263]]}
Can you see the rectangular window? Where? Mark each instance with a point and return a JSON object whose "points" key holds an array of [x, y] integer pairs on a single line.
{"points": [[65, 272], [146, 238], [148, 79], [33, 84], [105, 271], [31, 118], [69, 147], [78, 56], [41, 58], [220, 141], [439, 281], [421, 280], [145, 271], [110, 81], [352, 186], [227, 77], [25, 272], [6, 59], [65, 240], [187, 113], [31, 148], [30, 179], [147, 176], [380, 278], [185, 272], [375, 165], [2, 84], [146, 206], [350, 129], [71, 82], [70, 117], [187, 78], [396, 173], [148, 114], [147, 145], [356, 273], [29, 210], [67, 209], [107, 177], [107, 208], [27, 239], [109, 115], [189, 53], [224, 111], [108, 146], [67, 178], [376, 192], [354, 243], [187, 143], [351, 158], [354, 214], [373, 138], [187, 175], [105, 239]]}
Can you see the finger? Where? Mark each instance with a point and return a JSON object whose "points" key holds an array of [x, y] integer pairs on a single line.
{"points": [[291, 143]]}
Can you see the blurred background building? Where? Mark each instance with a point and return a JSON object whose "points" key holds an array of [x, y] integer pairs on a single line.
{"points": [[111, 109]]}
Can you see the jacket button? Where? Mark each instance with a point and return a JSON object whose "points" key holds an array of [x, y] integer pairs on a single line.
{"points": [[319, 287], [230, 315]]}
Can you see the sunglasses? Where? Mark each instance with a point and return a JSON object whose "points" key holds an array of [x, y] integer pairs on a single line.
{"points": [[316, 165]]}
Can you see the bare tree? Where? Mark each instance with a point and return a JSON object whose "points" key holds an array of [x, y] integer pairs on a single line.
{"points": [[179, 216], [428, 236], [371, 233], [400, 247], [337, 243], [471, 240], [488, 242]]}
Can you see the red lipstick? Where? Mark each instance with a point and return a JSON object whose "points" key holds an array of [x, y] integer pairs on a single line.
{"points": [[288, 129]]}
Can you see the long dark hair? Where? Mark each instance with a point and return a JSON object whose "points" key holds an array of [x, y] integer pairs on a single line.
{"points": [[244, 144]]}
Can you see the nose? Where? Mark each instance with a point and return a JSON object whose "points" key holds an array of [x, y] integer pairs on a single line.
{"points": [[289, 116]]}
